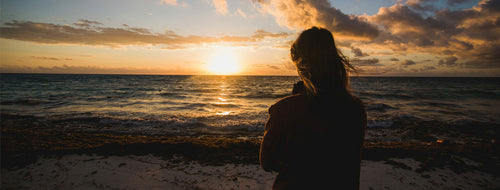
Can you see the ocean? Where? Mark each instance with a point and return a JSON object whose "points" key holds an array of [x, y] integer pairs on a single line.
{"points": [[399, 109]]}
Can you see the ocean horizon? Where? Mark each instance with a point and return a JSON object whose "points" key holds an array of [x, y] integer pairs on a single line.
{"points": [[250, 75]]}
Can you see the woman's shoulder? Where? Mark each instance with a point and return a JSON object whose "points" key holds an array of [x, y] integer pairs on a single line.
{"points": [[288, 103]]}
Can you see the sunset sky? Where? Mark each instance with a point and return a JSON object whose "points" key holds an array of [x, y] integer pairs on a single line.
{"points": [[247, 37]]}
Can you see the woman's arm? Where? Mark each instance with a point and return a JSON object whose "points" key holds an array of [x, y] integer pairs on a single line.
{"points": [[269, 148]]}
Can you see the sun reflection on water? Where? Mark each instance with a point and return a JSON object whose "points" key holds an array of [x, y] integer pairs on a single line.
{"points": [[223, 100], [224, 113]]}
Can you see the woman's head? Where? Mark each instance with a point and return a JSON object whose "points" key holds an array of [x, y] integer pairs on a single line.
{"points": [[322, 67]]}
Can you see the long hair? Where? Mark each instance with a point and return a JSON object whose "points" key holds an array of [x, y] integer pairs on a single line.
{"points": [[321, 66]]}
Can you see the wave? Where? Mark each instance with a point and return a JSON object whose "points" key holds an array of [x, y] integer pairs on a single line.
{"points": [[442, 104], [207, 105], [156, 125], [494, 93], [380, 123], [171, 95], [224, 105], [383, 95], [377, 106], [24, 102], [265, 95], [398, 126]]}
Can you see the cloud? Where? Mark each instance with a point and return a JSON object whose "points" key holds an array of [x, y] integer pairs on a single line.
{"points": [[470, 35], [429, 27], [51, 58], [173, 3], [86, 23], [358, 53], [407, 63], [220, 7], [71, 69], [439, 30], [427, 68], [261, 34], [454, 2], [422, 5], [303, 14], [411, 28], [365, 62], [169, 2], [91, 33], [241, 13], [449, 61]]}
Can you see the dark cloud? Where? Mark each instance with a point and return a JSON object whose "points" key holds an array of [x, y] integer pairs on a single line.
{"points": [[306, 13], [408, 27], [449, 61], [365, 62], [424, 69], [481, 65], [427, 68], [358, 53], [415, 26], [90, 33], [422, 5], [484, 57], [407, 63], [470, 35]]}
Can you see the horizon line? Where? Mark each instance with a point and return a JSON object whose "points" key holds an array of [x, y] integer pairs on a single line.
{"points": [[145, 74]]}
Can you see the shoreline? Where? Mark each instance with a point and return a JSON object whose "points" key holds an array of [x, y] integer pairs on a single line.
{"points": [[28, 144], [58, 159]]}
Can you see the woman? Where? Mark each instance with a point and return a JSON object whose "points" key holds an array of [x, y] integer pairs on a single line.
{"points": [[313, 139]]}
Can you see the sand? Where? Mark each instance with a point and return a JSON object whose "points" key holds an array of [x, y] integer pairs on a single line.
{"points": [[70, 160], [152, 172]]}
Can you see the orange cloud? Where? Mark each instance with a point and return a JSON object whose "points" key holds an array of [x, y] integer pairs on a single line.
{"points": [[71, 69], [469, 35], [51, 58], [416, 27], [90, 33]]}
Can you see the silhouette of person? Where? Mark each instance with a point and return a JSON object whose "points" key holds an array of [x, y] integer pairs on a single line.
{"points": [[298, 88], [313, 139]]}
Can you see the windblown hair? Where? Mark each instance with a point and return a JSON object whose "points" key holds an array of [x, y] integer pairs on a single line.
{"points": [[321, 66]]}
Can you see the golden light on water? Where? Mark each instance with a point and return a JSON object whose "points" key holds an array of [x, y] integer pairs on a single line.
{"points": [[223, 62]]}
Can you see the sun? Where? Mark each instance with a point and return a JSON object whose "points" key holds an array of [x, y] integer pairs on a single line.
{"points": [[223, 62]]}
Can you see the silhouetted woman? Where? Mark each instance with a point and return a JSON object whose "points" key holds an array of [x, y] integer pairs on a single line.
{"points": [[313, 139]]}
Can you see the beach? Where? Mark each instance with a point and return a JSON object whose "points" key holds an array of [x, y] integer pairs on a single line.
{"points": [[180, 94], [204, 132], [55, 160], [151, 172]]}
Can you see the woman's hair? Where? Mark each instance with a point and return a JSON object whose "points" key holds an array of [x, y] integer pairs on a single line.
{"points": [[322, 67]]}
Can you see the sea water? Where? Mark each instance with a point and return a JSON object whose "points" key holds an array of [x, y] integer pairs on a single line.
{"points": [[238, 105]]}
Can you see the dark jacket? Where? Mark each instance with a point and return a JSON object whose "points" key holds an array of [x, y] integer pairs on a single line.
{"points": [[314, 149]]}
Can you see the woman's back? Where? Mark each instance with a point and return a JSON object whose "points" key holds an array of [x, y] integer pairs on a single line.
{"points": [[319, 148], [313, 139]]}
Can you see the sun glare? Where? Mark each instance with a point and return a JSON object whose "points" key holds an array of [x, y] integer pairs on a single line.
{"points": [[223, 62]]}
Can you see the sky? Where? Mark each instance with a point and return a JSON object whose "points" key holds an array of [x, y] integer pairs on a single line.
{"points": [[247, 37]]}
